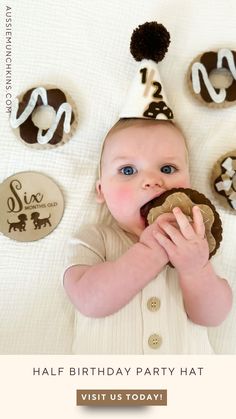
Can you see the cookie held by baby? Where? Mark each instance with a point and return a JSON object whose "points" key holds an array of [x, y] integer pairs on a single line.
{"points": [[185, 199]]}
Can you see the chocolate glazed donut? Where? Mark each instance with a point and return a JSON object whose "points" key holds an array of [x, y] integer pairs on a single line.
{"points": [[201, 85], [224, 180], [28, 131]]}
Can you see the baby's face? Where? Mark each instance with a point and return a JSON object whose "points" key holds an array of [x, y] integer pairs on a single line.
{"points": [[139, 163]]}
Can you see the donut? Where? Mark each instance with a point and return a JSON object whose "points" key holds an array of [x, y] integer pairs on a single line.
{"points": [[201, 68], [63, 123], [224, 180], [185, 199]]}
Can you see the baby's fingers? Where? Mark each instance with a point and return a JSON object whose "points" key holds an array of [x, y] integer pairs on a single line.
{"points": [[184, 224], [165, 242], [166, 217], [199, 226]]}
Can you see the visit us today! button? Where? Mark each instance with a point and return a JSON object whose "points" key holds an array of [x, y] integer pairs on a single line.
{"points": [[121, 397]]}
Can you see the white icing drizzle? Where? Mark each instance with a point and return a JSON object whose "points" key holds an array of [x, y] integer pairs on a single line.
{"points": [[41, 92], [227, 164], [38, 92], [199, 68], [227, 184], [230, 173], [64, 108], [226, 53], [224, 186]]}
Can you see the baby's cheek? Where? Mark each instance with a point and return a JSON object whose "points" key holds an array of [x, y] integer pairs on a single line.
{"points": [[122, 194], [181, 182]]}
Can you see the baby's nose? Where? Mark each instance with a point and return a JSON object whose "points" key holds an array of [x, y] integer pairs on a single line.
{"points": [[153, 181]]}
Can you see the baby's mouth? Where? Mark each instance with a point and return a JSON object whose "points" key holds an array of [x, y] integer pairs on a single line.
{"points": [[144, 210], [154, 202]]}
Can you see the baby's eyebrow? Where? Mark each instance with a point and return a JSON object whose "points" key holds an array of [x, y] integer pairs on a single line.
{"points": [[171, 157], [164, 160], [120, 158]]}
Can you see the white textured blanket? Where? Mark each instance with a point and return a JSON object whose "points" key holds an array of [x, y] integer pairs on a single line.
{"points": [[83, 48]]}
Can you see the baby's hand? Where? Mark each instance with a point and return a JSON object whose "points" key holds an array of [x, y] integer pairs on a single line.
{"points": [[186, 245], [147, 238]]}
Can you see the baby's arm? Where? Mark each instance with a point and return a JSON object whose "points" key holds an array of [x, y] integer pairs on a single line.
{"points": [[102, 289], [207, 297]]}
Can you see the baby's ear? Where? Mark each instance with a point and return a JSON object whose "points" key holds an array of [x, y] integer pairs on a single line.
{"points": [[99, 195]]}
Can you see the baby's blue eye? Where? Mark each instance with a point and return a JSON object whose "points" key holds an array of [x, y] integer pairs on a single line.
{"points": [[168, 169], [128, 170]]}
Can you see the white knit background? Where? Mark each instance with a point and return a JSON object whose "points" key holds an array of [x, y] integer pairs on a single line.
{"points": [[83, 48]]}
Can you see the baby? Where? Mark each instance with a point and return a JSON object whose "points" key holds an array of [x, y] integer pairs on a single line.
{"points": [[128, 299]]}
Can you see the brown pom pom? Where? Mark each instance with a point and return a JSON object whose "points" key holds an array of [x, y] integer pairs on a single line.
{"points": [[151, 41]]}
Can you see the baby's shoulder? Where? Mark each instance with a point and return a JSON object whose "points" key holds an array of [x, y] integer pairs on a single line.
{"points": [[110, 235], [105, 231]]}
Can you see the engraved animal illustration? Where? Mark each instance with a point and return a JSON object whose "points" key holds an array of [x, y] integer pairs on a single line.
{"points": [[40, 222], [20, 225]]}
